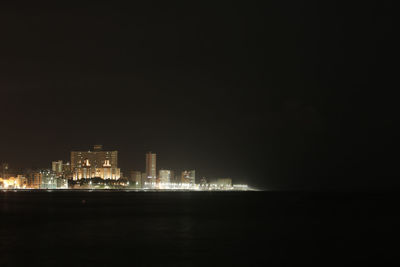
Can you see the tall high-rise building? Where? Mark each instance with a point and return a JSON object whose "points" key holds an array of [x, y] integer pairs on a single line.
{"points": [[188, 177], [96, 163], [151, 167]]}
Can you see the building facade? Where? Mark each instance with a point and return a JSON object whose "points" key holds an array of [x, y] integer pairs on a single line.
{"points": [[145, 181], [136, 178], [57, 166], [151, 166], [36, 180], [221, 182], [48, 179], [96, 163], [188, 177], [165, 176]]}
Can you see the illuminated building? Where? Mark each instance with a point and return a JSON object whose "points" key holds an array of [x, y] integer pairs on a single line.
{"points": [[62, 183], [3, 183], [240, 187], [96, 163], [57, 166], [151, 167], [177, 179], [30, 178], [48, 179], [144, 179], [97, 157], [21, 181], [136, 178], [66, 171], [10, 179], [13, 182], [42, 179], [165, 176], [66, 167], [203, 181], [36, 180], [222, 182], [61, 169], [188, 177]]}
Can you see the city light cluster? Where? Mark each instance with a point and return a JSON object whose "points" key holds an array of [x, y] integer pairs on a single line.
{"points": [[98, 169]]}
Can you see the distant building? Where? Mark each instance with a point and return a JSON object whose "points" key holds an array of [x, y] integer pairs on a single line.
{"points": [[48, 179], [188, 177], [62, 183], [177, 179], [66, 167], [37, 180], [222, 182], [151, 166], [136, 178], [165, 176], [97, 157], [63, 170], [203, 181], [57, 166], [240, 186], [13, 182], [96, 163], [145, 181], [22, 181], [66, 171], [29, 174]]}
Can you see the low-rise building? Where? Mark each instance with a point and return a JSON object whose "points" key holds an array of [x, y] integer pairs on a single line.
{"points": [[165, 176], [136, 179], [188, 177]]}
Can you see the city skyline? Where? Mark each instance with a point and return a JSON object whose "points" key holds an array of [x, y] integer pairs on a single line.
{"points": [[284, 98], [140, 165], [98, 169], [58, 163], [199, 133]]}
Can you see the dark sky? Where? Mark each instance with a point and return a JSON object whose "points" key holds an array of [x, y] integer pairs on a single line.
{"points": [[280, 95]]}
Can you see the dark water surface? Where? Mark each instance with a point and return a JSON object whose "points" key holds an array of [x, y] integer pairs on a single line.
{"points": [[80, 228]]}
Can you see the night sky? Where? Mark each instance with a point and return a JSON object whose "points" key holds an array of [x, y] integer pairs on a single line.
{"points": [[280, 95]]}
